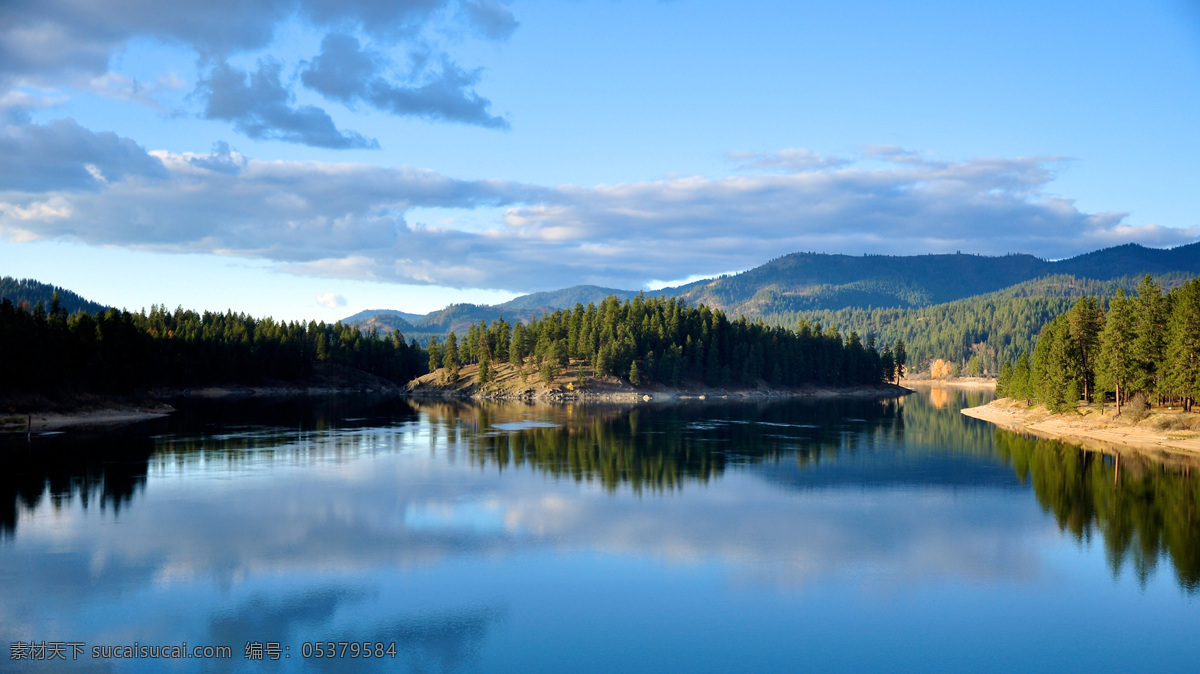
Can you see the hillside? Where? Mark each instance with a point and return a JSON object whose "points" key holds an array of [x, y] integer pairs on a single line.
{"points": [[996, 327], [383, 321], [816, 281], [459, 317], [371, 313], [31, 291], [562, 299], [812, 281], [802, 283]]}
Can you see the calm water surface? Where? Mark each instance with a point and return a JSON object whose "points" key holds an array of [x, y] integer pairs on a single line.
{"points": [[816, 536]]}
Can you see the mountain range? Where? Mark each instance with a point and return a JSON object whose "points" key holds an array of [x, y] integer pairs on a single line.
{"points": [[943, 306], [813, 282]]}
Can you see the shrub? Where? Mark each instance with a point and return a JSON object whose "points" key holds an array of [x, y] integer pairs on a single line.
{"points": [[1176, 422], [1137, 408]]}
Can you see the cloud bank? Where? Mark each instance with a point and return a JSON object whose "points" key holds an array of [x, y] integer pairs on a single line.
{"points": [[47, 44], [355, 221], [345, 71]]}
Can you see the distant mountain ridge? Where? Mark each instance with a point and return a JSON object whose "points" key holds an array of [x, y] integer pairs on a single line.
{"points": [[1006, 322], [458, 317], [803, 282], [31, 291], [818, 281]]}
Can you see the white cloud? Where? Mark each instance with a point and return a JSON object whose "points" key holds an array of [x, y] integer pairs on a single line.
{"points": [[330, 300], [340, 220]]}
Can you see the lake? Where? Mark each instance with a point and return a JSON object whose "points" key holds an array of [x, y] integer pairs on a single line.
{"points": [[826, 535]]}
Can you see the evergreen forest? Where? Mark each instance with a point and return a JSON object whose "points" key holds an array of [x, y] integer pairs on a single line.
{"points": [[50, 351], [666, 341], [1137, 351], [975, 334]]}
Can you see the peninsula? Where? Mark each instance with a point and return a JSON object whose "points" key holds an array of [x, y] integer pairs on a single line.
{"points": [[1165, 430]]}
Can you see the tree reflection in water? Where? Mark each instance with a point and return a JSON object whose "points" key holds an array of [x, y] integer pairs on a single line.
{"points": [[657, 448], [106, 471], [1142, 508]]}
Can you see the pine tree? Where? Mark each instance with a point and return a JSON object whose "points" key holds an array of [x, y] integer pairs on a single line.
{"points": [[1056, 371], [485, 369], [1150, 331], [1004, 380], [1183, 344], [1117, 364], [516, 347], [1086, 320], [1021, 387], [450, 358], [435, 355]]}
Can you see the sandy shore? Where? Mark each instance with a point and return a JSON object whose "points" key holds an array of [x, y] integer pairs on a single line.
{"points": [[1089, 428], [40, 422]]}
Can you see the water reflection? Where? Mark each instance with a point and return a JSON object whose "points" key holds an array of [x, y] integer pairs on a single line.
{"points": [[465, 533], [108, 469], [935, 425], [100, 472], [658, 448], [1144, 510]]}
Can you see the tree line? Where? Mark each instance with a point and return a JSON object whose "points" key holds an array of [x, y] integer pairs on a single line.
{"points": [[1147, 345], [976, 334], [49, 351], [666, 341]]}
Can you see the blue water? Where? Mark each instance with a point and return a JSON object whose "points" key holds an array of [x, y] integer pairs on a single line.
{"points": [[791, 536]]}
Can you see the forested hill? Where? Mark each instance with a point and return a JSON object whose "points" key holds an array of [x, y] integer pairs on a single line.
{"points": [[1131, 259], [806, 282], [978, 333], [459, 317], [816, 281], [29, 291], [564, 299]]}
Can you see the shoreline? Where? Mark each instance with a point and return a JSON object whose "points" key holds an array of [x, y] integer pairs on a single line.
{"points": [[980, 383], [22, 413], [1088, 428], [107, 414], [508, 383], [81, 420], [656, 395]]}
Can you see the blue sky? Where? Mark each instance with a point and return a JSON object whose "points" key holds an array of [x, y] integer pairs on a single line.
{"points": [[310, 158]]}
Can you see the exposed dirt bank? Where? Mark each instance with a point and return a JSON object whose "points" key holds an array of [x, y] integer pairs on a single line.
{"points": [[1095, 429], [508, 383]]}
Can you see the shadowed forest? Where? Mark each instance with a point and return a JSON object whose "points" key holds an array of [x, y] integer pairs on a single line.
{"points": [[117, 352]]}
